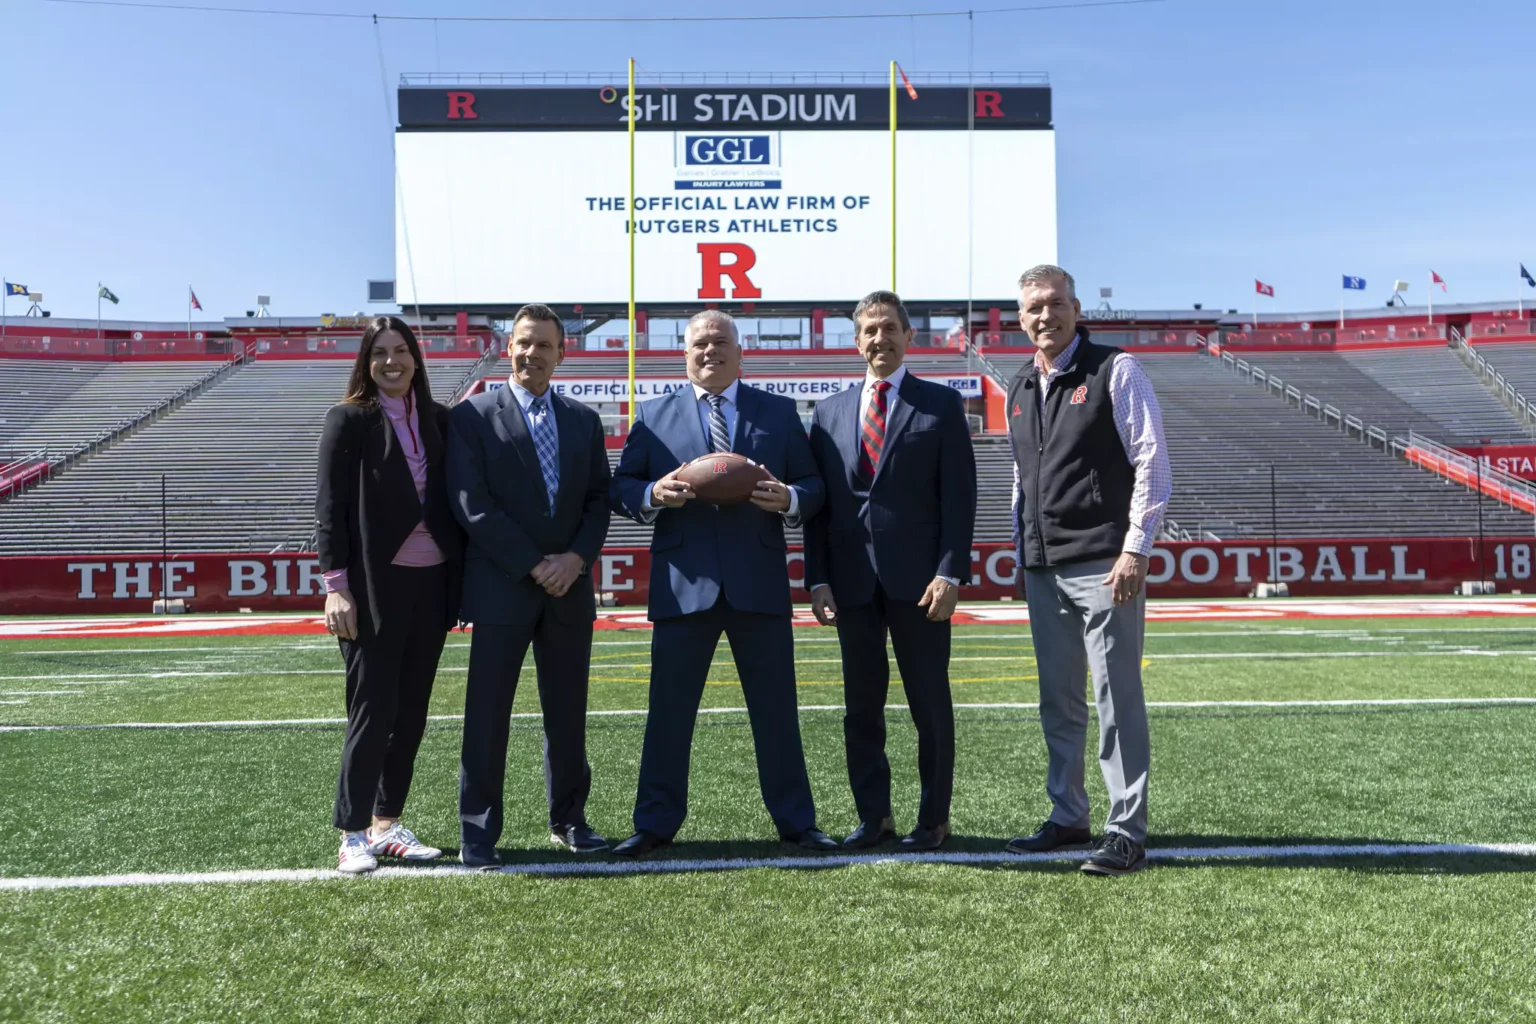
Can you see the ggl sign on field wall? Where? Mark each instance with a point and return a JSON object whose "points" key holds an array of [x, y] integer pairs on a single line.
{"points": [[126, 584]]}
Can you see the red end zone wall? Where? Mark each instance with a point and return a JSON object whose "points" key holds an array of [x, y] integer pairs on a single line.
{"points": [[125, 584]]}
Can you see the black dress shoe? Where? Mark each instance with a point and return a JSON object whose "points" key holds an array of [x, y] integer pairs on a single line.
{"points": [[480, 855], [578, 838], [925, 837], [1117, 854], [640, 844], [870, 833], [812, 838], [1050, 836]]}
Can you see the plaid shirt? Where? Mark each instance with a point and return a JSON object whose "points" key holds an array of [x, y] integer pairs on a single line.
{"points": [[1139, 422]]}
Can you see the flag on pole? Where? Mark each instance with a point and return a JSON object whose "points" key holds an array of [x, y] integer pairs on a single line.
{"points": [[22, 290], [103, 292], [911, 92], [1354, 283], [192, 298], [1435, 278], [1526, 274], [1264, 289]]}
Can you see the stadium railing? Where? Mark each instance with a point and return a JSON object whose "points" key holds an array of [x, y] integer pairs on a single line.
{"points": [[55, 461], [1416, 449], [1495, 381], [1470, 471]]}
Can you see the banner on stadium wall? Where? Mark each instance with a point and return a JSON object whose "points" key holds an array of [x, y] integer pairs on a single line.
{"points": [[803, 387], [127, 584], [1515, 459]]}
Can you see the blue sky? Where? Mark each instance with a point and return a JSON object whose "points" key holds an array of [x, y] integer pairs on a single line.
{"points": [[1200, 143]]}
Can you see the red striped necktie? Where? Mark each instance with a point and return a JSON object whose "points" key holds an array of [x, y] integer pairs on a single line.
{"points": [[873, 433]]}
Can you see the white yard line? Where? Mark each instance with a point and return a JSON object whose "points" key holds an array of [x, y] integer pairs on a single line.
{"points": [[256, 723], [1383, 632], [1276, 853], [86, 678]]}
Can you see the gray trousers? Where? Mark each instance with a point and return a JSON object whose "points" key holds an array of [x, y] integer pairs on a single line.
{"points": [[1077, 630]]}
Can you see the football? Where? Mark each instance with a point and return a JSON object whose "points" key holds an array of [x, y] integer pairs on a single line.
{"points": [[724, 478]]}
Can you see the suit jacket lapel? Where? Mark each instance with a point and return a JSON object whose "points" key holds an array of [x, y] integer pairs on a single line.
{"points": [[686, 407], [516, 427], [572, 443], [391, 455], [898, 412], [746, 408], [847, 412]]}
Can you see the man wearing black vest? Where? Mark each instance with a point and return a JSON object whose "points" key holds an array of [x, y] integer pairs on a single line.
{"points": [[1091, 485]]}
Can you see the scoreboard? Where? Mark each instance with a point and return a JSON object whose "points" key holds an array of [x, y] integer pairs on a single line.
{"points": [[769, 194]]}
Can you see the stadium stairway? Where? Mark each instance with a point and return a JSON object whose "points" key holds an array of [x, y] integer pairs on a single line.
{"points": [[1516, 361], [239, 463]]}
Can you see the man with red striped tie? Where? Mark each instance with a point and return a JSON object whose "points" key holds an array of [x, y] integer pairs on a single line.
{"points": [[887, 556]]}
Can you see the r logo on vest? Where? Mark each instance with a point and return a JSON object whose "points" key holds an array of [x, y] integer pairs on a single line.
{"points": [[1080, 395]]}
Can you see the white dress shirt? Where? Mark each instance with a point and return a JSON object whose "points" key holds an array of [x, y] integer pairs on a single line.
{"points": [[1139, 422], [702, 403]]}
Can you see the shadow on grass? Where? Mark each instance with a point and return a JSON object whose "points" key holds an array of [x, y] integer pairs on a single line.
{"points": [[1228, 851]]}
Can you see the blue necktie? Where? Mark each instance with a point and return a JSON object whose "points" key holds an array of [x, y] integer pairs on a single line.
{"points": [[544, 442], [719, 433]]}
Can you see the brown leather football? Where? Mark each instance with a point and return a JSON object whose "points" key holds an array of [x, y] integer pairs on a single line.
{"points": [[724, 478]]}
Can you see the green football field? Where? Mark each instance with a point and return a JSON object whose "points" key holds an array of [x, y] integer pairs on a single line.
{"points": [[1340, 737]]}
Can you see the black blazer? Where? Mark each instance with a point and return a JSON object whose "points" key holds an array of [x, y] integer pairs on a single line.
{"points": [[918, 516], [497, 492], [366, 505]]}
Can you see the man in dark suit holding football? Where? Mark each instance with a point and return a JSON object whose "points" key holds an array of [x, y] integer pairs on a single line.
{"points": [[888, 554], [719, 568]]}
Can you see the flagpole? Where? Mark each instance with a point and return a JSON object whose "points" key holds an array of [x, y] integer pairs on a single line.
{"points": [[1431, 293], [98, 310], [893, 176], [189, 312], [631, 242]]}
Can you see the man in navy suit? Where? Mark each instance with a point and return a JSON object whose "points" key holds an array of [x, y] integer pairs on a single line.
{"points": [[888, 554], [719, 570], [528, 477]]}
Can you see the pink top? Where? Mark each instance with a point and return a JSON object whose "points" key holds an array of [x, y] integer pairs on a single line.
{"points": [[419, 548]]}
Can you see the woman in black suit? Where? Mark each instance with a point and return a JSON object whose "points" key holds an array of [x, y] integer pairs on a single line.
{"points": [[392, 556]]}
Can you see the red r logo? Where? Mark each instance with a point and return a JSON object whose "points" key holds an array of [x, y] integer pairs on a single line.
{"points": [[461, 105], [720, 467], [1080, 395]]}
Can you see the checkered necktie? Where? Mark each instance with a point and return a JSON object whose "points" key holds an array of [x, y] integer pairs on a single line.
{"points": [[719, 433], [544, 442], [873, 432]]}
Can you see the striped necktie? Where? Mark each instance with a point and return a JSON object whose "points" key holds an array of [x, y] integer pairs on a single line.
{"points": [[544, 443], [719, 433], [872, 433]]}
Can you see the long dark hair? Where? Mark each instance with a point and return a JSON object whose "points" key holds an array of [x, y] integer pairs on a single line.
{"points": [[362, 389]]}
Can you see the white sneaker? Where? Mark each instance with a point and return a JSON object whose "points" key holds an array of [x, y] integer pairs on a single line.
{"points": [[355, 858], [397, 841]]}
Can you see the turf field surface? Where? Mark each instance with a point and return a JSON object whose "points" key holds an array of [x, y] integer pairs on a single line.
{"points": [[1268, 758]]}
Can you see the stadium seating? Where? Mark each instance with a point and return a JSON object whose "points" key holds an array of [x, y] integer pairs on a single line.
{"points": [[1224, 434], [1516, 361], [56, 405], [1428, 390], [239, 459], [239, 462]]}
